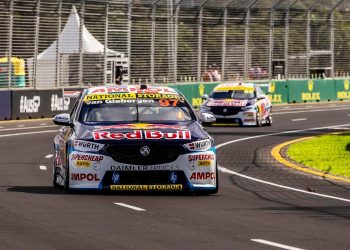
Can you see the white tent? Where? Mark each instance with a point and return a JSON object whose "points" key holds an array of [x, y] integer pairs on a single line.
{"points": [[68, 45]]}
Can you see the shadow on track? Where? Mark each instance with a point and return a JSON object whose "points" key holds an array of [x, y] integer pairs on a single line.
{"points": [[55, 191]]}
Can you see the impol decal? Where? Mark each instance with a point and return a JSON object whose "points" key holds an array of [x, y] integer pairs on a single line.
{"points": [[84, 177], [202, 176]]}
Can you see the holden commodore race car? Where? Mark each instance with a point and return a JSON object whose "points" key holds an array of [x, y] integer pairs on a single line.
{"points": [[134, 138], [243, 104]]}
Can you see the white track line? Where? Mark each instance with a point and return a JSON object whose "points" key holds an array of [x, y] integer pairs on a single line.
{"points": [[48, 156], [308, 111], [299, 119], [11, 129], [228, 171], [43, 167], [266, 242], [129, 206], [29, 133], [42, 124]]}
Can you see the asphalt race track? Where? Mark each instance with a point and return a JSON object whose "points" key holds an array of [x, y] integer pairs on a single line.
{"points": [[260, 205]]}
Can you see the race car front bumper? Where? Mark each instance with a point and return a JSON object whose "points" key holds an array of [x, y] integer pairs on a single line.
{"points": [[191, 171]]}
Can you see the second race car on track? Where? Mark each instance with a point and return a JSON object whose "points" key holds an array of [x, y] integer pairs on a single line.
{"points": [[134, 138], [242, 104]]}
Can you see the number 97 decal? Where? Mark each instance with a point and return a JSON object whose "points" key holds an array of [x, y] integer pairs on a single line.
{"points": [[167, 103]]}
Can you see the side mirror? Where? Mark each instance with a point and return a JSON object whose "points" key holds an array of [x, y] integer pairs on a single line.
{"points": [[204, 97], [207, 118], [262, 97], [62, 119]]}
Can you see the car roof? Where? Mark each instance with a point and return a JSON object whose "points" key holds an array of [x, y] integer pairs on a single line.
{"points": [[131, 89], [223, 87]]}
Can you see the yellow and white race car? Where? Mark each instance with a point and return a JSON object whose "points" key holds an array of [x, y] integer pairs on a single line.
{"points": [[241, 104]]}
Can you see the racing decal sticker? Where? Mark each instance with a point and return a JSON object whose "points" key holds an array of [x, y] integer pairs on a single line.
{"points": [[95, 158], [141, 134], [166, 187], [201, 157], [82, 164], [94, 97], [230, 87], [116, 96], [202, 163], [136, 89], [140, 126], [144, 168], [202, 145], [86, 146], [227, 102], [202, 176], [84, 177]]}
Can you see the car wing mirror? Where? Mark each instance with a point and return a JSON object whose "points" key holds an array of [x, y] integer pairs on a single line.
{"points": [[207, 118], [262, 97], [62, 119], [204, 97]]}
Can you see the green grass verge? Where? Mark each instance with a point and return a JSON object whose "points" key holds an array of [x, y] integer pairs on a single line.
{"points": [[328, 153]]}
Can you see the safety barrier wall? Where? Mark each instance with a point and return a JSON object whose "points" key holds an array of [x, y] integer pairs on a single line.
{"points": [[289, 91], [29, 103], [5, 104]]}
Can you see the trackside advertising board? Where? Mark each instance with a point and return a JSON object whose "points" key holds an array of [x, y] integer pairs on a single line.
{"points": [[28, 104], [5, 104]]}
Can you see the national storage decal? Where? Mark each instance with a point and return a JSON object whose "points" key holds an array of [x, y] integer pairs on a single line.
{"points": [[116, 96], [165, 187]]}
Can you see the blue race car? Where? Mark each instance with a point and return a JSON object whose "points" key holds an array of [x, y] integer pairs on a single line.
{"points": [[134, 138]]}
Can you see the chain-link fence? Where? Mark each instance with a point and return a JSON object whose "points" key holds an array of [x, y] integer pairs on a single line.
{"points": [[54, 43]]}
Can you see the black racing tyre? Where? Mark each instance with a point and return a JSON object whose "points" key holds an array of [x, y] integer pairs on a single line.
{"points": [[258, 119], [55, 175], [66, 178], [269, 121]]}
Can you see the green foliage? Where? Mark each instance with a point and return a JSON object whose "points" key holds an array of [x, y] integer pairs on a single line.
{"points": [[327, 153]]}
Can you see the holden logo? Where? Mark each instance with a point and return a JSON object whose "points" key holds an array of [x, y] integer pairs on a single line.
{"points": [[224, 110], [145, 151]]}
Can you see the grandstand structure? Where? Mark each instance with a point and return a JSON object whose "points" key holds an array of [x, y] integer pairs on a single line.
{"points": [[173, 41]]}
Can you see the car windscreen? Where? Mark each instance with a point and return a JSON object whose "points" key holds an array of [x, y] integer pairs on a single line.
{"points": [[234, 94], [135, 110]]}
